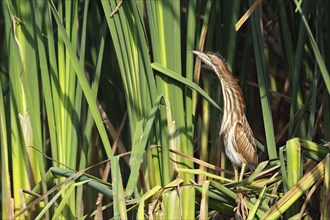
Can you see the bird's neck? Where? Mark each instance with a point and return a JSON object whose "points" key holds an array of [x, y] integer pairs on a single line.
{"points": [[233, 103]]}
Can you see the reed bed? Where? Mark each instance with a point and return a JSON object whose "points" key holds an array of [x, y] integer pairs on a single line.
{"points": [[106, 113]]}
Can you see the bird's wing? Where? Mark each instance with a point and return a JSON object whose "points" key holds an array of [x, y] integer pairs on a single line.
{"points": [[245, 144]]}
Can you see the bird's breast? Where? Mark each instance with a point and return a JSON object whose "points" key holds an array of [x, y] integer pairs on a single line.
{"points": [[230, 147]]}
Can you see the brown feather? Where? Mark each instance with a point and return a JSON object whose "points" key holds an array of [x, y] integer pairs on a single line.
{"points": [[245, 144]]}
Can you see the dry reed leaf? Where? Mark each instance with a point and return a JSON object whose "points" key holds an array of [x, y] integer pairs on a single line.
{"points": [[247, 14], [116, 8]]}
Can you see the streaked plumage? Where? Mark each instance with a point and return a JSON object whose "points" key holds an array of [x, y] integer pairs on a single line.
{"points": [[235, 129]]}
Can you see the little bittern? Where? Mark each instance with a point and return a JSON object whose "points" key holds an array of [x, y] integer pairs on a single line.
{"points": [[235, 129]]}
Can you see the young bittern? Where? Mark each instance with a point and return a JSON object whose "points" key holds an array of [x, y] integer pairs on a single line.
{"points": [[235, 129]]}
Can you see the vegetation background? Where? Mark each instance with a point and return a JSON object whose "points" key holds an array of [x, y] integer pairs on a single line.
{"points": [[105, 112]]}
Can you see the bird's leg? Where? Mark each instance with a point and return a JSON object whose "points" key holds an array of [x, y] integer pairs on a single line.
{"points": [[242, 171], [236, 172], [241, 211]]}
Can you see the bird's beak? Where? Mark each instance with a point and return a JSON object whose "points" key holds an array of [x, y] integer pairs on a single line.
{"points": [[206, 59]]}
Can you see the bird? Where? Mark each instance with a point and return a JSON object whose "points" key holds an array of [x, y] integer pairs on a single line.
{"points": [[235, 130]]}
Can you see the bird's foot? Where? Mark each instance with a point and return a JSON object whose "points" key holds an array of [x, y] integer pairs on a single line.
{"points": [[241, 210]]}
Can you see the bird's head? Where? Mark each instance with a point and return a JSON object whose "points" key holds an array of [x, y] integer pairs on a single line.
{"points": [[214, 61]]}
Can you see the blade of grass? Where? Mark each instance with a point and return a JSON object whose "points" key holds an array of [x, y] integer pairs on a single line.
{"points": [[6, 209], [229, 197], [171, 205], [204, 208], [147, 195], [261, 73], [191, 28], [46, 86], [294, 163], [65, 199], [84, 84], [183, 80], [253, 212], [226, 191], [310, 146], [93, 183], [159, 166], [287, 39], [89, 118], [318, 56], [215, 195], [325, 208], [204, 155], [137, 151], [296, 93], [251, 178], [201, 172], [66, 190], [295, 192], [283, 169], [24, 99], [230, 17], [119, 207]]}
